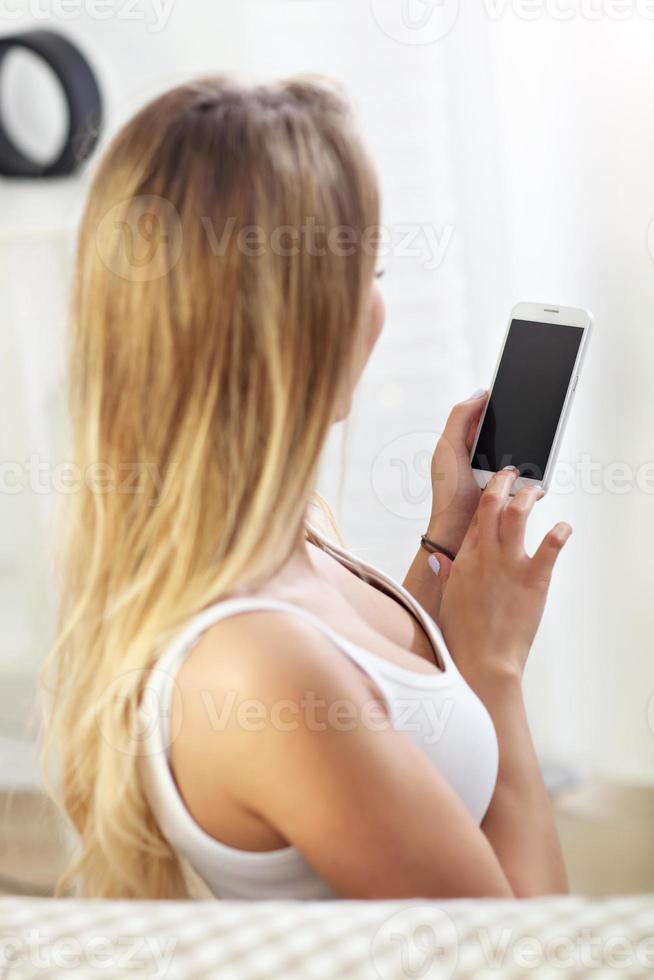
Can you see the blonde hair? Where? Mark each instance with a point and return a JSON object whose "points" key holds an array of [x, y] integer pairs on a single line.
{"points": [[212, 365]]}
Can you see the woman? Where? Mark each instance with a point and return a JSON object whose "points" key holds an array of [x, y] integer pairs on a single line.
{"points": [[313, 734]]}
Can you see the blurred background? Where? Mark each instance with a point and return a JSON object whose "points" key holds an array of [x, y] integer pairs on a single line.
{"points": [[515, 145]]}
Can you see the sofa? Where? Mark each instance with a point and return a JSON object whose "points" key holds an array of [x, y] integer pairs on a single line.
{"points": [[555, 937]]}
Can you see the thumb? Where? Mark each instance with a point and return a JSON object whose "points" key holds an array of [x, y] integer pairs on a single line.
{"points": [[463, 419]]}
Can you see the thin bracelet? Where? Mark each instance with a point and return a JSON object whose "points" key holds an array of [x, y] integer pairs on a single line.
{"points": [[432, 548]]}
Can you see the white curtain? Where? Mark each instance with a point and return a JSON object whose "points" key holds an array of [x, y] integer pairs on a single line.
{"points": [[516, 152]]}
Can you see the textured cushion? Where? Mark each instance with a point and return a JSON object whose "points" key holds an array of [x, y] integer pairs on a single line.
{"points": [[553, 937]]}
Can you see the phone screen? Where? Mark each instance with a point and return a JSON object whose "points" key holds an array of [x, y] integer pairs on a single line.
{"points": [[528, 397]]}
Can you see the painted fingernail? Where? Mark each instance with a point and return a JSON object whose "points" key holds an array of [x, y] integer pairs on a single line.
{"points": [[434, 564], [478, 393]]}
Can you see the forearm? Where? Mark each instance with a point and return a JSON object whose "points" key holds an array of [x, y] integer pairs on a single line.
{"points": [[520, 822], [424, 584]]}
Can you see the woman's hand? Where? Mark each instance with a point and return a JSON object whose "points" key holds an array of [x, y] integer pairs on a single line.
{"points": [[455, 493], [495, 593]]}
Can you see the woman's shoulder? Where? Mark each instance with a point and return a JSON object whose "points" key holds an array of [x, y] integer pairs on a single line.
{"points": [[265, 653], [251, 680]]}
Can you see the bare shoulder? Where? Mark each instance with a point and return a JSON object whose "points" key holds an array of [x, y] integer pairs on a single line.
{"points": [[255, 686], [269, 654], [254, 689]]}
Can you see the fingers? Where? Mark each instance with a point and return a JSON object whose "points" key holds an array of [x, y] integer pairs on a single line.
{"points": [[462, 420], [513, 522], [542, 564], [492, 504]]}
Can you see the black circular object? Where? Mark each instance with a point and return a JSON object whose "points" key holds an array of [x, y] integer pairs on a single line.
{"points": [[83, 98]]}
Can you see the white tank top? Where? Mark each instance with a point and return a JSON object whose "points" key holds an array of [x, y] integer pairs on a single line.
{"points": [[438, 711]]}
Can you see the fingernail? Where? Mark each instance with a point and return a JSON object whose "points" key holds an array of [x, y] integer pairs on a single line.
{"points": [[434, 564], [514, 468], [478, 393]]}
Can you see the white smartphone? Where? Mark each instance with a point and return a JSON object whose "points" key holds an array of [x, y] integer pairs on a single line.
{"points": [[531, 393]]}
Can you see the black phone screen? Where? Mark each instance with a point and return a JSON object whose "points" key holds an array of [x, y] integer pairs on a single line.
{"points": [[528, 397]]}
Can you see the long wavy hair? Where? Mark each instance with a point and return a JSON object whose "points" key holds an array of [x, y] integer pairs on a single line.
{"points": [[223, 274]]}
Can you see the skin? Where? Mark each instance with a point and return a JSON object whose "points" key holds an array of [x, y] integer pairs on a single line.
{"points": [[284, 775]]}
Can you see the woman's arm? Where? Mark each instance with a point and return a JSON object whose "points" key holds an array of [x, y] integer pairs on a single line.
{"points": [[519, 822], [425, 581], [491, 609], [308, 755], [531, 857], [455, 497]]}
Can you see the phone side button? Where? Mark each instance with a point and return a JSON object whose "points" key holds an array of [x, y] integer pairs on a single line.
{"points": [[574, 387]]}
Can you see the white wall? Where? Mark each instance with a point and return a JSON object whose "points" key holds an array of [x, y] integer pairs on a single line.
{"points": [[530, 144], [576, 138]]}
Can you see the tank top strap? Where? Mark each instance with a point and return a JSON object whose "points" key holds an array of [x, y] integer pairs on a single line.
{"points": [[374, 576], [160, 685]]}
